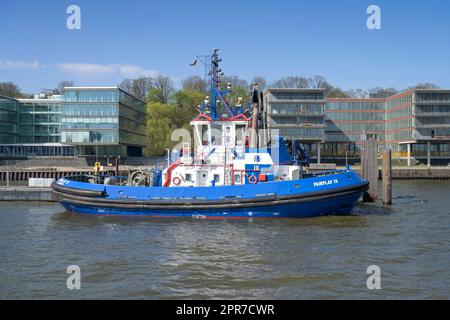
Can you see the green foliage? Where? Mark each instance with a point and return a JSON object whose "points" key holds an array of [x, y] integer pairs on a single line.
{"points": [[160, 125], [237, 91], [187, 103], [163, 119], [155, 95]]}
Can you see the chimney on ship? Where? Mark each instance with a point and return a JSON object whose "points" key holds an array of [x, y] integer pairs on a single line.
{"points": [[253, 136]]}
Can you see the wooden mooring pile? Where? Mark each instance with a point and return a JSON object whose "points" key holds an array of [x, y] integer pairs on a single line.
{"points": [[370, 171]]}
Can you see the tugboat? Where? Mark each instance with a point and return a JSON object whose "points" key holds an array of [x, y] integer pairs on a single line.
{"points": [[235, 170]]}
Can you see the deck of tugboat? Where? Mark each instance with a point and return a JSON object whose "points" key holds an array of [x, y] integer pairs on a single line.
{"points": [[318, 185]]}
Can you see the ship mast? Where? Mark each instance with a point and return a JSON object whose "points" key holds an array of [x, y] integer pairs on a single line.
{"points": [[216, 94]]}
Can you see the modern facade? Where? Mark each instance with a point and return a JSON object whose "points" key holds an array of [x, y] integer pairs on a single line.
{"points": [[40, 120], [431, 126], [103, 120], [414, 124], [346, 120], [31, 127], [297, 114], [84, 121], [9, 120]]}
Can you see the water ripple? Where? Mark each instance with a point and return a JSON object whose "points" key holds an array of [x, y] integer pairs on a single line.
{"points": [[317, 258]]}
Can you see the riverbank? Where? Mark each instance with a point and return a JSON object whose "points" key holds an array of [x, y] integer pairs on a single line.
{"points": [[419, 172], [25, 194]]}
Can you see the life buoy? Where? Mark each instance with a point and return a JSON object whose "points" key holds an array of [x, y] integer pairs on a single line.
{"points": [[176, 181], [169, 173], [252, 179]]}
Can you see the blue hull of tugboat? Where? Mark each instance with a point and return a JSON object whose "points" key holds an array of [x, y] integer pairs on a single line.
{"points": [[331, 194]]}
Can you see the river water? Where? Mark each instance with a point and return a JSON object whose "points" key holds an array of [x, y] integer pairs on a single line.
{"points": [[317, 258]]}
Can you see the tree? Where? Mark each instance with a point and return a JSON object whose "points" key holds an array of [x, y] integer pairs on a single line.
{"points": [[291, 82], [315, 82], [426, 85], [187, 103], [194, 83], [10, 89], [61, 85], [261, 81], [235, 81], [357, 93], [138, 87], [379, 92], [319, 82], [160, 125], [155, 96], [165, 86], [336, 92], [239, 92], [163, 118]]}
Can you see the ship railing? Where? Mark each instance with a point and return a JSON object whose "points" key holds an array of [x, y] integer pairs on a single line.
{"points": [[99, 179], [323, 173], [217, 158]]}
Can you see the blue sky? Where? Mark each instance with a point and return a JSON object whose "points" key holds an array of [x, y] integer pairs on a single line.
{"points": [[270, 38]]}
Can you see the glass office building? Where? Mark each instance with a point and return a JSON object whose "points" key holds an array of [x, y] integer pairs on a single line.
{"points": [[40, 120], [399, 119], [9, 120], [297, 114], [430, 126], [414, 124], [347, 120], [103, 121], [31, 128]]}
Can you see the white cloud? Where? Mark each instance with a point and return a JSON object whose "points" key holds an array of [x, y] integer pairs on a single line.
{"points": [[85, 68], [18, 65], [125, 70], [132, 71]]}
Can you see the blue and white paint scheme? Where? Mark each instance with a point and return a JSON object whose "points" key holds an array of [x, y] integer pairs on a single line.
{"points": [[235, 170]]}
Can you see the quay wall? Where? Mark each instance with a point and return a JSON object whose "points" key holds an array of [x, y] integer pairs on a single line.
{"points": [[25, 194], [398, 173]]}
